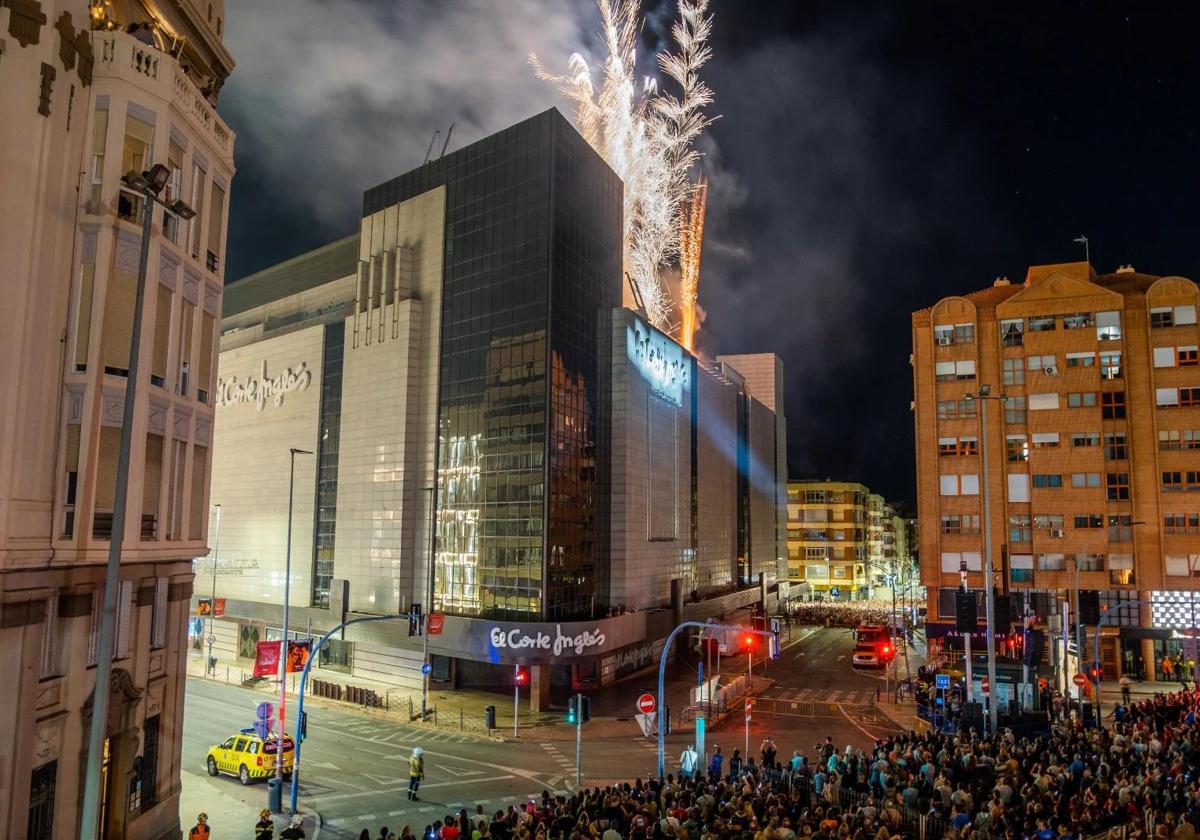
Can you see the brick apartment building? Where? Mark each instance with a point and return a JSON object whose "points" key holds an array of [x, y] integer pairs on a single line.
{"points": [[1093, 451]]}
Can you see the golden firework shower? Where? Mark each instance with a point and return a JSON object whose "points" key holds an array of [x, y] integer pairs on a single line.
{"points": [[644, 134], [691, 241]]}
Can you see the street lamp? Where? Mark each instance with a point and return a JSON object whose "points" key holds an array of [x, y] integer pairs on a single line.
{"points": [[212, 607], [283, 649], [148, 184], [425, 664], [989, 591]]}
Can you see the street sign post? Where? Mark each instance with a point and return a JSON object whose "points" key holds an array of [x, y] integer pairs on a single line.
{"points": [[984, 686], [942, 681], [1079, 680], [646, 704]]}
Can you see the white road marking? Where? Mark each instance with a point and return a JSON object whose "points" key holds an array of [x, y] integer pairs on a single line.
{"points": [[331, 797]]}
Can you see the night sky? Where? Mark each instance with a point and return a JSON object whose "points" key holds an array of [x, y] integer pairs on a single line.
{"points": [[869, 159]]}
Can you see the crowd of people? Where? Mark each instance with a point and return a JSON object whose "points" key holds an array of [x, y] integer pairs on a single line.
{"points": [[1140, 777], [840, 613]]}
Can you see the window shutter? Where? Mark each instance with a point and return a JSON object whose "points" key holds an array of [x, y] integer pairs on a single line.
{"points": [[1018, 487], [124, 617], [950, 561], [162, 333], [1164, 357], [949, 485], [970, 485], [1041, 402], [50, 637], [94, 630], [118, 319], [974, 561], [158, 635], [1166, 396], [106, 470], [1185, 315], [152, 486]]}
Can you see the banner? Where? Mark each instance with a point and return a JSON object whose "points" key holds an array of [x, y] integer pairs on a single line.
{"points": [[218, 607], [298, 653], [266, 659], [204, 606]]}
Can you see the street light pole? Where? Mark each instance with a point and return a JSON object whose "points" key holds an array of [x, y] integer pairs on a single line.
{"points": [[428, 603], [287, 592], [148, 185], [989, 588], [212, 606]]}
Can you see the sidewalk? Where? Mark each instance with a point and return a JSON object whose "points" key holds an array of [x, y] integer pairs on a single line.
{"points": [[228, 816]]}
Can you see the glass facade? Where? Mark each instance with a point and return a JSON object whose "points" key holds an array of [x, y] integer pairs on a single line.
{"points": [[532, 266], [325, 526]]}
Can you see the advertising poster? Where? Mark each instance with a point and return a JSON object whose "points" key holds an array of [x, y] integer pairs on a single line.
{"points": [[266, 659], [298, 653]]}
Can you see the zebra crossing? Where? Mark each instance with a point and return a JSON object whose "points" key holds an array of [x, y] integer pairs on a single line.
{"points": [[824, 695], [391, 732]]}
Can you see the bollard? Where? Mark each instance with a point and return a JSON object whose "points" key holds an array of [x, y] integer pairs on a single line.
{"points": [[489, 717], [461, 725]]}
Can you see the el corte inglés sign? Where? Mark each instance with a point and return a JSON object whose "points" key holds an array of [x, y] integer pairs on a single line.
{"points": [[263, 389]]}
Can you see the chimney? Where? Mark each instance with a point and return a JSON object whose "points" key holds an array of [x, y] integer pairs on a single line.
{"points": [[1001, 281], [1125, 269]]}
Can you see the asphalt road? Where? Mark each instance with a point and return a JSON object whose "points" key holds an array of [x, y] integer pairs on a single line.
{"points": [[354, 766]]}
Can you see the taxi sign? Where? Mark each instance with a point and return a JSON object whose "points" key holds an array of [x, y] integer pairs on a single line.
{"points": [[942, 680]]}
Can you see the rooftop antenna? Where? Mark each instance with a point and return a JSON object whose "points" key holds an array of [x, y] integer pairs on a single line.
{"points": [[1087, 253], [429, 151], [445, 145]]}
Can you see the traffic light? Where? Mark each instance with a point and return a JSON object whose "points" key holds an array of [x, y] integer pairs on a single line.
{"points": [[1035, 644], [573, 710], [1094, 672], [966, 612], [886, 652], [1089, 606], [585, 709], [303, 725], [522, 676], [415, 620], [748, 642]]}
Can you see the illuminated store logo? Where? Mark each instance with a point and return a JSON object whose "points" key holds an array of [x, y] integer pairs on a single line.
{"points": [[560, 642], [659, 359], [262, 389]]}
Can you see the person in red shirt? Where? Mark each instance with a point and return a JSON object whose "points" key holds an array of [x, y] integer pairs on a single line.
{"points": [[450, 829]]}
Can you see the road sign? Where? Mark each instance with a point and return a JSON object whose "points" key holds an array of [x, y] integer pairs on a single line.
{"points": [[212, 640], [835, 592], [1079, 680], [646, 704], [984, 686], [942, 680], [749, 704], [426, 668]]}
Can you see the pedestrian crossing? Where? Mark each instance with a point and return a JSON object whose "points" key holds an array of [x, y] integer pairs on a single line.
{"points": [[824, 695], [388, 732], [431, 811]]}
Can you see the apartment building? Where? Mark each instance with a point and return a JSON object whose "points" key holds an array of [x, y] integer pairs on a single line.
{"points": [[1093, 444], [91, 91], [827, 537]]}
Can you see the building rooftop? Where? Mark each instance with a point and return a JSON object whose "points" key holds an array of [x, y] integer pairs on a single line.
{"points": [[299, 274]]}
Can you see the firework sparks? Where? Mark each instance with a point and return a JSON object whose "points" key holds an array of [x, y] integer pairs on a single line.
{"points": [[691, 240], [645, 135]]}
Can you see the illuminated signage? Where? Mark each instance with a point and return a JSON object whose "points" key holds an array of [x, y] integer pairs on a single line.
{"points": [[263, 389], [558, 642], [660, 360]]}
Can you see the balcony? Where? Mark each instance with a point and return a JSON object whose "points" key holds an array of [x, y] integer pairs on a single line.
{"points": [[123, 57]]}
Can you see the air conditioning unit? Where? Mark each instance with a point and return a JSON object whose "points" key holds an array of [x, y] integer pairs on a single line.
{"points": [[1050, 370], [945, 340], [1057, 533]]}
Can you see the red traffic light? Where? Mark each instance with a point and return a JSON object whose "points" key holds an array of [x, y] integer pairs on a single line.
{"points": [[886, 652], [522, 676]]}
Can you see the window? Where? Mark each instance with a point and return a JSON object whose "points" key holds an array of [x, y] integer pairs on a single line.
{"points": [[94, 629], [1085, 439], [197, 204], [1083, 399], [1080, 321], [1175, 481], [1022, 568], [124, 619], [1115, 447], [1089, 562], [99, 134], [51, 642], [1018, 487], [1014, 410], [1112, 405], [1120, 527], [943, 335], [1186, 356], [947, 446], [952, 524], [1166, 397], [968, 446], [1085, 479], [1182, 565], [1043, 402], [944, 371], [966, 408], [1181, 523], [1164, 357], [946, 334], [1108, 326], [1185, 315], [1077, 360], [1162, 316], [1019, 528], [174, 190], [337, 655], [1052, 522], [1043, 363], [948, 485], [1014, 372], [1041, 323], [1120, 569], [1168, 441], [1110, 365], [1189, 397], [42, 786], [968, 485], [1012, 332], [150, 733], [1045, 440], [216, 226], [1016, 447], [1116, 486], [946, 409], [816, 553], [970, 523], [1052, 562], [1089, 520], [1047, 481], [135, 157]]}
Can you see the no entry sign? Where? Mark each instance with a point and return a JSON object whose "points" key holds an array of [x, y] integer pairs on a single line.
{"points": [[646, 704], [1079, 680]]}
